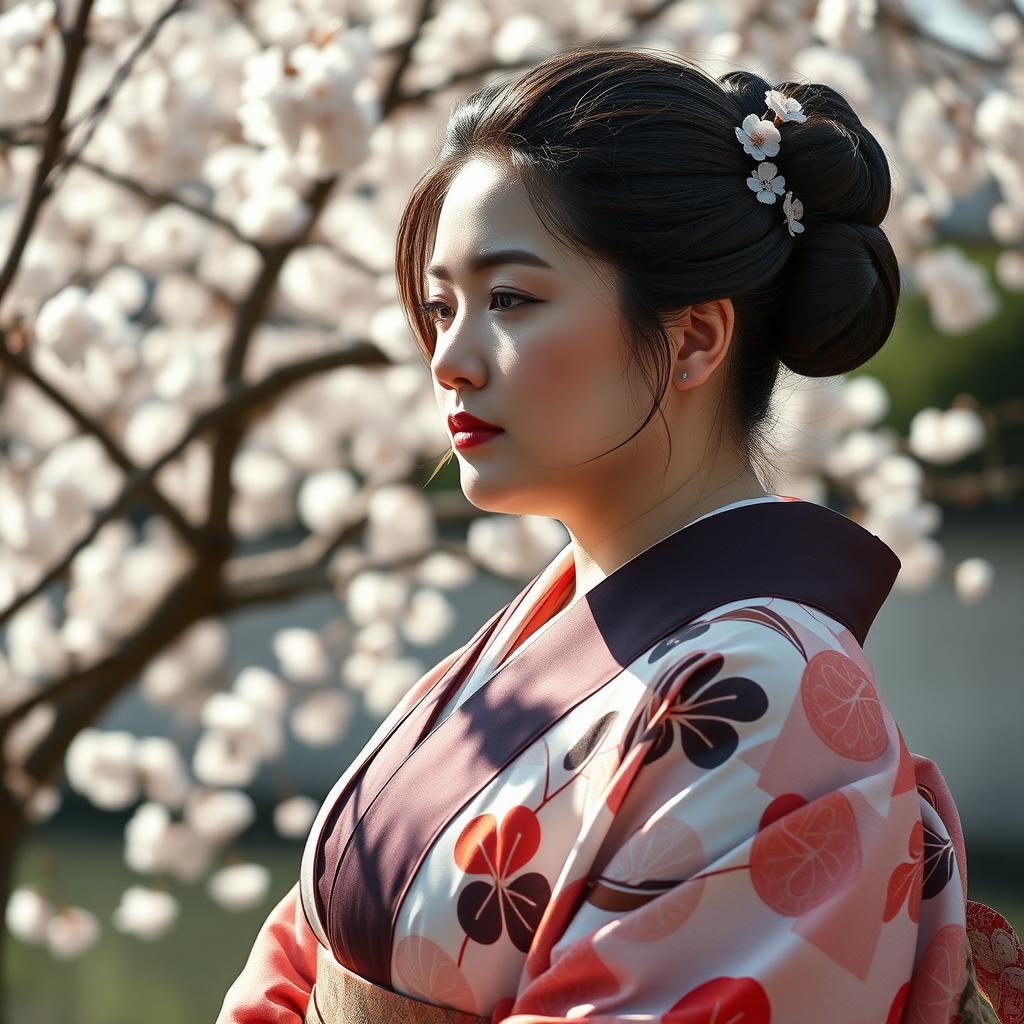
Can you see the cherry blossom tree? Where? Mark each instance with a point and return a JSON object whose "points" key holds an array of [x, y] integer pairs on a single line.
{"points": [[201, 347]]}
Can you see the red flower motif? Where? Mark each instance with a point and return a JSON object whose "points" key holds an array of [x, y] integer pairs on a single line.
{"points": [[487, 909], [906, 881], [720, 1000]]}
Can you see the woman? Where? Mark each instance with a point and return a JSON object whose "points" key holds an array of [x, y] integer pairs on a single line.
{"points": [[660, 783]]}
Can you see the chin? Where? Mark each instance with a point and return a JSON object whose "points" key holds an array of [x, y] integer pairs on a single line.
{"points": [[501, 500]]}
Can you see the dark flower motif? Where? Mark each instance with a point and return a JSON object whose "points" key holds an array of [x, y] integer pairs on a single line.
{"points": [[588, 743], [487, 909], [703, 711], [938, 863], [680, 636]]}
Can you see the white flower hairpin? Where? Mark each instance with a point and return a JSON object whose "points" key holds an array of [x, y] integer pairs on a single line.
{"points": [[760, 138]]}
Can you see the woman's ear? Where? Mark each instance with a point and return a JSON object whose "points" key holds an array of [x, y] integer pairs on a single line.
{"points": [[701, 336]]}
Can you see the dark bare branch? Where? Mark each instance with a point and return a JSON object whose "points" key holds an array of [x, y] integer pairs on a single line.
{"points": [[91, 118], [244, 401], [74, 44], [21, 364]]}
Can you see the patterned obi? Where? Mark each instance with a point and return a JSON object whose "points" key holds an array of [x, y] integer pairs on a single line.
{"points": [[341, 997]]}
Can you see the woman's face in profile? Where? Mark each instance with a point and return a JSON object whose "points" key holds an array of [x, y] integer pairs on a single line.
{"points": [[536, 348]]}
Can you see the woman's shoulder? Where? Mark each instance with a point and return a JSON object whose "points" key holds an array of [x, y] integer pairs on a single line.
{"points": [[759, 669], [766, 631]]}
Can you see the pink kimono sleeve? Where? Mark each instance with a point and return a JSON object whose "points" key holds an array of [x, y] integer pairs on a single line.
{"points": [[771, 858], [276, 980]]}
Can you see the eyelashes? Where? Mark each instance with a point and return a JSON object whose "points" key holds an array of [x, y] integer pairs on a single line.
{"points": [[428, 308]]}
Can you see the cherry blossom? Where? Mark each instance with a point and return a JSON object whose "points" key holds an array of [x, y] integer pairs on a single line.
{"points": [[145, 913]]}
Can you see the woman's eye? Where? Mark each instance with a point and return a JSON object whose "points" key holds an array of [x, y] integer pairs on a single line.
{"points": [[429, 308]]}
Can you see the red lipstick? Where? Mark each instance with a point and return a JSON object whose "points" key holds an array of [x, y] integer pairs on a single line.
{"points": [[469, 430]]}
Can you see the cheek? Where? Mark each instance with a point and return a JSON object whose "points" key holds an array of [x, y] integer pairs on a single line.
{"points": [[569, 375]]}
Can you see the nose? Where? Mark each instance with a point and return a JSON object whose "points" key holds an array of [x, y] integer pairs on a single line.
{"points": [[456, 362]]}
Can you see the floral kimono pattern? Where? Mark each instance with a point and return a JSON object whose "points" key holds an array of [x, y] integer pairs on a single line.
{"points": [[679, 799]]}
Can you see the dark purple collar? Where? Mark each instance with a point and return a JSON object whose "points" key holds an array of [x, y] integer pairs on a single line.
{"points": [[385, 819]]}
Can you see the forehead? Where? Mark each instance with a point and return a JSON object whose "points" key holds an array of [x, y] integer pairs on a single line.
{"points": [[484, 207]]}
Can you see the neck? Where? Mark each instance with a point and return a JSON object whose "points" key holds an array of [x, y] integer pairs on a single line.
{"points": [[597, 551]]}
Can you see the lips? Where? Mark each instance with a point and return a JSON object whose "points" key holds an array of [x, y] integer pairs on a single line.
{"points": [[465, 422]]}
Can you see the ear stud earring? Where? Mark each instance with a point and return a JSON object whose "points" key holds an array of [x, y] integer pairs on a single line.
{"points": [[683, 375]]}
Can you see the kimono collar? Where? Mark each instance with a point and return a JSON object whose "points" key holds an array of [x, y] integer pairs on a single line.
{"points": [[790, 549]]}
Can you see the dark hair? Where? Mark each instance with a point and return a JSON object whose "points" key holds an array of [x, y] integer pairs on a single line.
{"points": [[631, 156]]}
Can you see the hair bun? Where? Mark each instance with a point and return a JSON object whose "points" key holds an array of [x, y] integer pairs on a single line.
{"points": [[842, 281], [842, 287]]}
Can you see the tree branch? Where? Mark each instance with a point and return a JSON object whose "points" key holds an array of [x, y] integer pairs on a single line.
{"points": [[83, 694], [159, 197], [243, 401], [304, 568], [74, 44], [250, 312], [92, 117], [21, 364]]}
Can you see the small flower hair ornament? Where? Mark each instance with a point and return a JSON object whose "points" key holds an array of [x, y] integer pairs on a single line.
{"points": [[760, 138]]}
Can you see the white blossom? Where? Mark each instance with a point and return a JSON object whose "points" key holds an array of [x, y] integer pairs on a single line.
{"points": [[428, 618], [76, 318], [154, 844], [1006, 222], [171, 238], [958, 290], [399, 521], [147, 914], [34, 646], [239, 886], [28, 913], [262, 689], [301, 654], [320, 720], [760, 139], [766, 183], [920, 565], [902, 520], [857, 453], [1010, 270], [894, 473], [162, 771], [390, 684], [359, 669], [445, 570], [294, 816], [225, 760], [516, 546], [101, 765], [864, 402], [785, 108], [946, 436], [373, 595], [273, 214], [973, 578], [219, 815], [326, 500], [42, 803], [522, 36], [71, 931], [153, 427], [316, 101]]}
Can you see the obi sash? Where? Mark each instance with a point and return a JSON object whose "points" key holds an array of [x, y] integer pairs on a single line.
{"points": [[341, 997], [379, 820]]}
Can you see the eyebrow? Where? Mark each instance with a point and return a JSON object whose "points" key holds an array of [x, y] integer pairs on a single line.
{"points": [[492, 259]]}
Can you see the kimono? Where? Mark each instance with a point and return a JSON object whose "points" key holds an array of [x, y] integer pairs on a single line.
{"points": [[679, 798]]}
